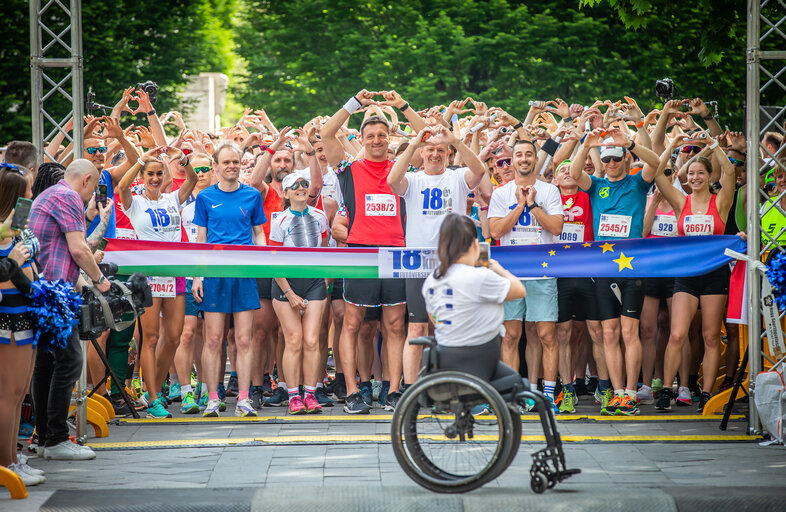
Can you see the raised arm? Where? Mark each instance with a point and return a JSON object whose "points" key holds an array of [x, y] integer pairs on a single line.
{"points": [[333, 149]]}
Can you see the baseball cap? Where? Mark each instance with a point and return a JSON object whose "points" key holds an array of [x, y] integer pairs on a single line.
{"points": [[292, 177], [612, 151]]}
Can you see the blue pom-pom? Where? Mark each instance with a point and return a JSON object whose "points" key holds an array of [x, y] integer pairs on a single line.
{"points": [[776, 275], [54, 308]]}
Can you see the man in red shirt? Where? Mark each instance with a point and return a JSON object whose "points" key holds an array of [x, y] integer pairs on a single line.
{"points": [[375, 217]]}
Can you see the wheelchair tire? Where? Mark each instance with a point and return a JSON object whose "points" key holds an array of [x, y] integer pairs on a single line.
{"points": [[419, 440], [515, 444]]}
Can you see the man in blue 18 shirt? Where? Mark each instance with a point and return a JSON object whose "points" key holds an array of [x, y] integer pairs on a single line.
{"points": [[228, 212]]}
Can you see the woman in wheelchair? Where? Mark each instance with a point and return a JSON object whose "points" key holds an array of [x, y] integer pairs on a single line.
{"points": [[465, 300], [436, 439]]}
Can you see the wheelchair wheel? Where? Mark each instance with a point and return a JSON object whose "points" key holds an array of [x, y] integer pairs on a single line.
{"points": [[453, 451], [515, 444]]}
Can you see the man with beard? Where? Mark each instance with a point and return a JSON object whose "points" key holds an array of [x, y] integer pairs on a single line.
{"points": [[528, 211]]}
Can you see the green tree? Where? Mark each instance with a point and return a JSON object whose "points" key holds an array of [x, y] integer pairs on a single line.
{"points": [[124, 42], [306, 57]]}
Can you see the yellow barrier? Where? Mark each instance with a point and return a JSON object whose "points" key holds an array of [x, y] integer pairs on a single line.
{"points": [[13, 483], [96, 417], [106, 404]]}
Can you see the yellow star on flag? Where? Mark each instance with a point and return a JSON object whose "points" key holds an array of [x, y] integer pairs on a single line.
{"points": [[623, 261], [607, 247], [552, 253], [544, 264], [566, 246], [587, 244]]}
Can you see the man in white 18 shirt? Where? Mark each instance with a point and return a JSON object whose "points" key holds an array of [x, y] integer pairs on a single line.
{"points": [[430, 195], [528, 211]]}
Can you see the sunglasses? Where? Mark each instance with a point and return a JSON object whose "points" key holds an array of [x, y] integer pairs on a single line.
{"points": [[738, 163], [503, 162], [202, 169], [607, 159], [298, 184], [691, 149], [471, 195], [92, 151], [187, 151], [11, 167]]}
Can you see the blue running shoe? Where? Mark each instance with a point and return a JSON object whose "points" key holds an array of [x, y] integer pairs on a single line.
{"points": [[174, 393], [278, 399], [368, 395], [322, 398], [383, 393], [480, 410], [222, 392], [232, 387], [189, 405], [156, 410], [202, 402]]}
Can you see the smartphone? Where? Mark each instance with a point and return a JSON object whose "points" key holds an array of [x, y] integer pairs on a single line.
{"points": [[101, 195], [485, 251], [21, 213]]}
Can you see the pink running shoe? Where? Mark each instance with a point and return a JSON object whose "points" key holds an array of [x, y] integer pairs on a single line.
{"points": [[296, 406], [312, 404]]}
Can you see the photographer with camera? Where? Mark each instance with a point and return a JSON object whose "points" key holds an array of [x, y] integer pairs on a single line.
{"points": [[58, 220]]}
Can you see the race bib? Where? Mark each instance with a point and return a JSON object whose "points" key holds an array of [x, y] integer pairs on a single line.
{"points": [[525, 235], [617, 226], [664, 225], [699, 225], [572, 232], [381, 205], [125, 234], [162, 286], [330, 191]]}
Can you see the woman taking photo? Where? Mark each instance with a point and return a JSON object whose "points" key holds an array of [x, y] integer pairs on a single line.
{"points": [[299, 303], [701, 213], [464, 300], [17, 345], [156, 216]]}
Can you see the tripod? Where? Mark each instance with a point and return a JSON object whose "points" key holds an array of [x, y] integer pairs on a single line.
{"points": [[111, 373]]}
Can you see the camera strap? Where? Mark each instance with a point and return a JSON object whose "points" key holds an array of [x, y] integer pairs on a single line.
{"points": [[107, 312]]}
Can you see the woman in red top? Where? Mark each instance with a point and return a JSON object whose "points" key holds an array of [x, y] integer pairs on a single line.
{"points": [[700, 213]]}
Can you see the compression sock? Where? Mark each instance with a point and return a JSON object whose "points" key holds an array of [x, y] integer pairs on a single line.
{"points": [[548, 387], [212, 395], [320, 384], [294, 392], [310, 390], [242, 394]]}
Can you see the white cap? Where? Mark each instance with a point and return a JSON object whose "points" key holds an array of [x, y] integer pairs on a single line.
{"points": [[292, 177], [612, 151]]}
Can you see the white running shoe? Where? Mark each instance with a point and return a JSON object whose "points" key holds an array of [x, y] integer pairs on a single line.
{"points": [[69, 451], [22, 458], [683, 397], [27, 478], [644, 395], [244, 408]]}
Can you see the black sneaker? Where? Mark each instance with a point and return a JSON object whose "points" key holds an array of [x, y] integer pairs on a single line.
{"points": [[703, 399], [354, 404], [663, 403], [392, 400], [121, 409], [267, 386], [232, 385], [581, 387], [592, 385], [368, 395], [322, 398], [256, 397], [340, 393]]}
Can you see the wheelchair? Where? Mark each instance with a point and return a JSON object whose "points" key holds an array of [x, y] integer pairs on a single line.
{"points": [[443, 447]]}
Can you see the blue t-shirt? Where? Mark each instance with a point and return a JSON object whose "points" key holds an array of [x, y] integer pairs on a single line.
{"points": [[229, 216], [111, 231], [626, 197]]}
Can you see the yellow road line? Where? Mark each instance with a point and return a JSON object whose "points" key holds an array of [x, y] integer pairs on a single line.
{"points": [[388, 417], [383, 438]]}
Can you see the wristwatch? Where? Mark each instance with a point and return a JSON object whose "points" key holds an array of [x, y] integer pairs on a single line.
{"points": [[533, 206], [101, 279]]}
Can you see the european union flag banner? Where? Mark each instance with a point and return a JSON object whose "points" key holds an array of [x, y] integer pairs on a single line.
{"points": [[679, 256]]}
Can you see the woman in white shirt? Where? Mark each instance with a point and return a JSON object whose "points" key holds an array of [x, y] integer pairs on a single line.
{"points": [[464, 300], [156, 216]]}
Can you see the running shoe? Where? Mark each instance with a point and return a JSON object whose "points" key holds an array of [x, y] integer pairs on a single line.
{"points": [[279, 398], [598, 396], [27, 429], [211, 411], [664, 400], [367, 395], [312, 404], [592, 385], [222, 406], [257, 397], [627, 406], [340, 392], [605, 398], [267, 386], [22, 461], [28, 479], [203, 400], [232, 388], [703, 399], [244, 408], [383, 394], [529, 405], [392, 400], [553, 405], [194, 380], [581, 387], [222, 392], [156, 411], [479, 410], [296, 405], [174, 393], [120, 408], [610, 407], [137, 385], [568, 402], [683, 397], [354, 404], [558, 399], [322, 398], [189, 405], [644, 395], [657, 386]]}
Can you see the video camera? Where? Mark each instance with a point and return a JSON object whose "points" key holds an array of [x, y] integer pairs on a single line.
{"points": [[100, 312]]}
